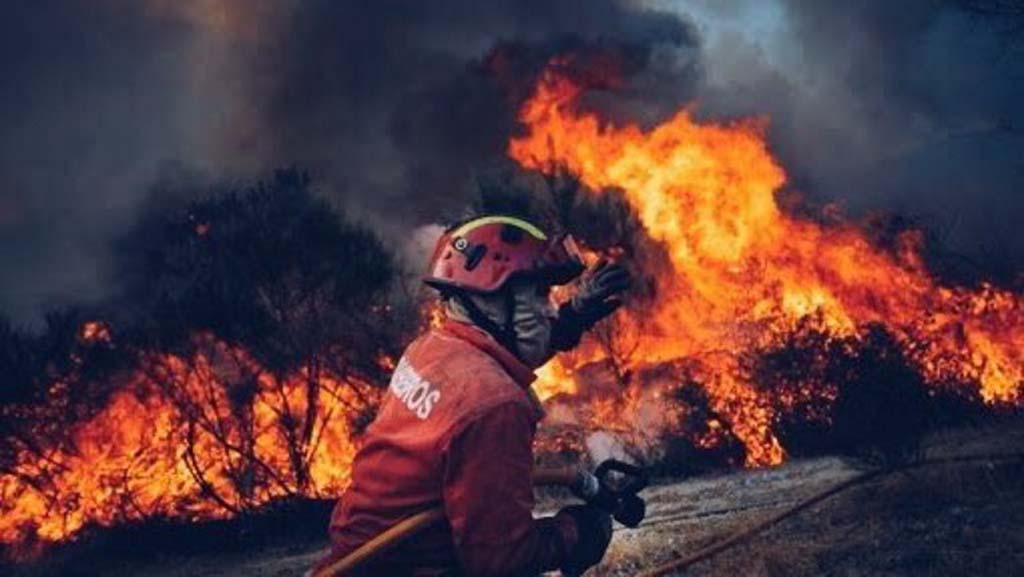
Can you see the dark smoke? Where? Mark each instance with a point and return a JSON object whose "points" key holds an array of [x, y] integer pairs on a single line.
{"points": [[401, 103], [93, 101], [388, 103], [912, 107], [396, 106]]}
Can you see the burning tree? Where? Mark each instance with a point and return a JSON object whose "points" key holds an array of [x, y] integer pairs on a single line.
{"points": [[736, 273], [269, 288], [246, 349], [53, 381]]}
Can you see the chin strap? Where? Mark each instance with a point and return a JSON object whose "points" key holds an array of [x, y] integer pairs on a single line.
{"points": [[505, 335]]}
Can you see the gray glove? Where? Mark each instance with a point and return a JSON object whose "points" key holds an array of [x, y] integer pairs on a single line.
{"points": [[594, 534], [596, 298]]}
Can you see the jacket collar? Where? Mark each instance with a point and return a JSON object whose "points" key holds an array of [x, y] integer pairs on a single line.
{"points": [[520, 373]]}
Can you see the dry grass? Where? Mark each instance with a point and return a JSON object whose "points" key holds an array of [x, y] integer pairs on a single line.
{"points": [[950, 520]]}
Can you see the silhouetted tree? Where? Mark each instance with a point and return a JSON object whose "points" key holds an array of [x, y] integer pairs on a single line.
{"points": [[268, 284], [271, 267]]}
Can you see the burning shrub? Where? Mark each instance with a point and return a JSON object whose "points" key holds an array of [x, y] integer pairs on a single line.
{"points": [[882, 409], [282, 305], [698, 441], [660, 416], [57, 379], [254, 330], [859, 395]]}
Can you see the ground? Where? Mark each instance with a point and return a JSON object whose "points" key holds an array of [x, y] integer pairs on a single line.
{"points": [[963, 518], [955, 519]]}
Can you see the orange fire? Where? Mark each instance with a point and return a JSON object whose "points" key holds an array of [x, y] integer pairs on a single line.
{"points": [[741, 271], [201, 437]]}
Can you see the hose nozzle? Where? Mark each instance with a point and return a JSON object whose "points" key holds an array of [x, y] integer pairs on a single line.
{"points": [[614, 487]]}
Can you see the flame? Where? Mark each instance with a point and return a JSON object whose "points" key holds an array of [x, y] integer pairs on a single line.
{"points": [[741, 271], [172, 442]]}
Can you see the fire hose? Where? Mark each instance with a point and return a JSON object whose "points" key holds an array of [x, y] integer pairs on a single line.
{"points": [[675, 566], [613, 486]]}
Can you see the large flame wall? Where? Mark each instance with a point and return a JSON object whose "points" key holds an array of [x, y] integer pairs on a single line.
{"points": [[741, 272]]}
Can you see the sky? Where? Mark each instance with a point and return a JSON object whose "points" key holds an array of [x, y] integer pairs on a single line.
{"points": [[108, 105]]}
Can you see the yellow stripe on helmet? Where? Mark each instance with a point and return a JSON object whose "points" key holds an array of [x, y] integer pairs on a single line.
{"points": [[511, 220]]}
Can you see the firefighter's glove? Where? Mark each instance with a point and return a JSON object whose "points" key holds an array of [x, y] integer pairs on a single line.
{"points": [[596, 298], [594, 533]]}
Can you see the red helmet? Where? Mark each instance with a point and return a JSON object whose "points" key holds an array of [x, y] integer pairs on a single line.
{"points": [[481, 255]]}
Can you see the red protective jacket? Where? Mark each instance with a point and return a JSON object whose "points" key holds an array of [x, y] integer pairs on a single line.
{"points": [[456, 430]]}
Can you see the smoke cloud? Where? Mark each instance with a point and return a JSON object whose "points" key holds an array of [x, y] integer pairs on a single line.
{"points": [[98, 101], [914, 110], [395, 106]]}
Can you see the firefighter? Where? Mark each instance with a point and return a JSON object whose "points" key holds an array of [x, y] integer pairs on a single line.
{"points": [[456, 427]]}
